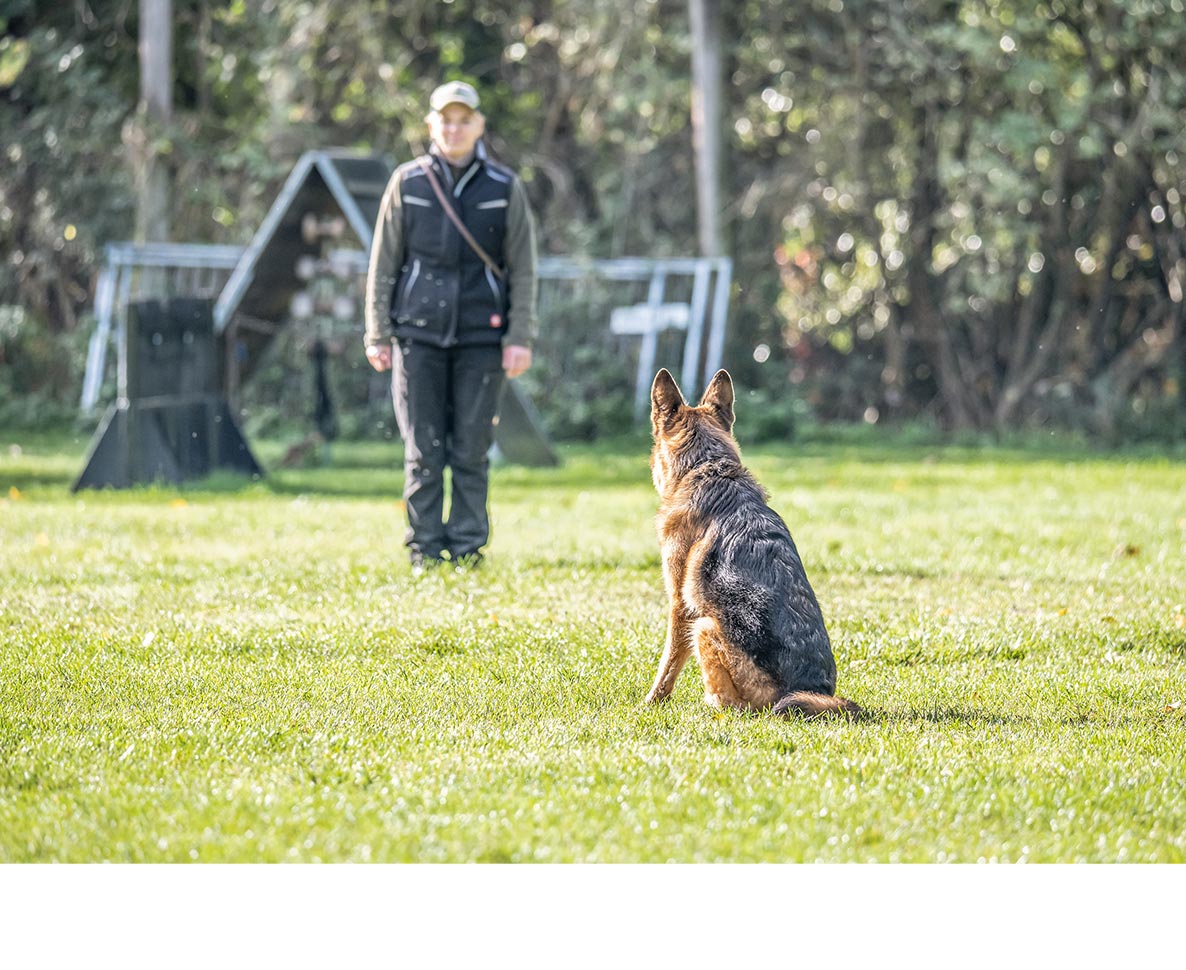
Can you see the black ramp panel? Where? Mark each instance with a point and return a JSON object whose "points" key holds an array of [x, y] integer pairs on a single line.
{"points": [[174, 426], [520, 434]]}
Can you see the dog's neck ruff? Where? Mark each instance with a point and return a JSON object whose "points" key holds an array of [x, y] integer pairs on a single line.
{"points": [[725, 466], [705, 473], [709, 450]]}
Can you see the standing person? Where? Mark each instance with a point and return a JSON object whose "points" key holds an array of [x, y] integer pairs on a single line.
{"points": [[460, 306]]}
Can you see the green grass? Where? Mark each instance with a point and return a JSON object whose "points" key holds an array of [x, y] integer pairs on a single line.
{"points": [[249, 672]]}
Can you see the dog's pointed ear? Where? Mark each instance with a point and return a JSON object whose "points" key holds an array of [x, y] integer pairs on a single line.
{"points": [[719, 396], [665, 395]]}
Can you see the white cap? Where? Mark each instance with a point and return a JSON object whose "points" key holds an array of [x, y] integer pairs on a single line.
{"points": [[455, 92]]}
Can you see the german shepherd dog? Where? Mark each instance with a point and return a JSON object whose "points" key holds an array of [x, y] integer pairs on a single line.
{"points": [[738, 595]]}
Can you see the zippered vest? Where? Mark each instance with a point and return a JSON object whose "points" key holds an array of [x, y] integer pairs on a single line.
{"points": [[444, 294]]}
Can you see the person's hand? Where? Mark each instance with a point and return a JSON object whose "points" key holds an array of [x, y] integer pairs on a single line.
{"points": [[380, 357], [515, 359]]}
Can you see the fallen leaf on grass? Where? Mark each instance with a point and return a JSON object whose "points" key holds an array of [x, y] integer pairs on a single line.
{"points": [[14, 493], [178, 503], [1173, 707]]}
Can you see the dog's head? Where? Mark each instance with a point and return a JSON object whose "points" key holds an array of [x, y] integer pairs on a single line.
{"points": [[687, 436]]}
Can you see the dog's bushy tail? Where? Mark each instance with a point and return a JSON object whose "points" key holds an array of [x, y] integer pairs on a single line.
{"points": [[811, 705]]}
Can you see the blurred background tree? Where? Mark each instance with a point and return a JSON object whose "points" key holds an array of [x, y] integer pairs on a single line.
{"points": [[981, 220], [962, 213]]}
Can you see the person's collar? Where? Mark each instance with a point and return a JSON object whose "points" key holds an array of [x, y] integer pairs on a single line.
{"points": [[479, 155]]}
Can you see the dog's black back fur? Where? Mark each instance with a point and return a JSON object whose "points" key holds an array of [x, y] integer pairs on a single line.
{"points": [[754, 582]]}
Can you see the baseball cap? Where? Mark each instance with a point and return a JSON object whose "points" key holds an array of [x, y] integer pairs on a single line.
{"points": [[455, 92]]}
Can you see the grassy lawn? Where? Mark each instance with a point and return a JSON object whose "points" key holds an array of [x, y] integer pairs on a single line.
{"points": [[249, 672]]}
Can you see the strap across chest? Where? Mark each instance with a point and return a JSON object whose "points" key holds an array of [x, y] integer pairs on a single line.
{"points": [[447, 205]]}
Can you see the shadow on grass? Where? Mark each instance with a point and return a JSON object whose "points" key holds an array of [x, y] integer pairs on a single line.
{"points": [[345, 479], [893, 445], [978, 718], [26, 480], [343, 482], [44, 460], [945, 715], [870, 717]]}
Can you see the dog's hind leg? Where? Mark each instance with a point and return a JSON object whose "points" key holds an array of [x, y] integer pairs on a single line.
{"points": [[676, 651], [719, 688], [731, 678]]}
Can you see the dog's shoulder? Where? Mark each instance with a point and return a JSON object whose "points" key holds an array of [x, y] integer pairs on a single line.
{"points": [[727, 484]]}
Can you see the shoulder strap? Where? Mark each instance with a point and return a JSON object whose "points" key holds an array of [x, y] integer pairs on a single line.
{"points": [[468, 236]]}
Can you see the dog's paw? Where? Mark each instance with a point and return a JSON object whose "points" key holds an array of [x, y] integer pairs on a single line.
{"points": [[715, 701]]}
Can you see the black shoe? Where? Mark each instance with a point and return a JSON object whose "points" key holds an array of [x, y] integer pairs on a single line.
{"points": [[422, 563]]}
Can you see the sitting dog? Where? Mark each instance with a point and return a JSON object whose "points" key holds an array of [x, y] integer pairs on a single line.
{"points": [[738, 595]]}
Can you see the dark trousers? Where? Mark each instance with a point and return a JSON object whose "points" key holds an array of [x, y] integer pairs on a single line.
{"points": [[445, 402]]}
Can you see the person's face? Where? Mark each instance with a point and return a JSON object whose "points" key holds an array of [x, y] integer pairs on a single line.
{"points": [[455, 130]]}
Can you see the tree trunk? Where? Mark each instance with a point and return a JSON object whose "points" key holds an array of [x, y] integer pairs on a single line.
{"points": [[153, 178], [925, 287], [706, 121]]}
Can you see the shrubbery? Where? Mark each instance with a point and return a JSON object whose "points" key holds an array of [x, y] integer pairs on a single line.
{"points": [[280, 397], [40, 372]]}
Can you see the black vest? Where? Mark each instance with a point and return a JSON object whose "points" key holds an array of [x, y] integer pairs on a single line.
{"points": [[445, 294]]}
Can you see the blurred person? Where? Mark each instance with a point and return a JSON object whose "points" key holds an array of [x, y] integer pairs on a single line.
{"points": [[450, 309]]}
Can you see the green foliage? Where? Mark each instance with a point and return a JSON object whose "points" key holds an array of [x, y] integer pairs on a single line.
{"points": [[587, 394], [968, 185], [62, 104], [582, 376], [38, 372], [280, 399], [763, 416], [233, 673], [958, 210]]}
